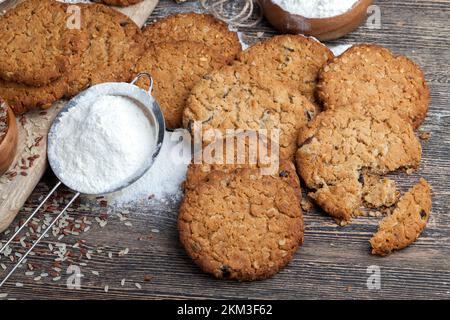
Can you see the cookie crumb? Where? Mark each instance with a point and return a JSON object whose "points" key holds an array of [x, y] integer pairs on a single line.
{"points": [[425, 135]]}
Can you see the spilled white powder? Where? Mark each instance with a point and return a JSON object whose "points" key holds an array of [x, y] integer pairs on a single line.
{"points": [[163, 181], [316, 8], [340, 48], [101, 144]]}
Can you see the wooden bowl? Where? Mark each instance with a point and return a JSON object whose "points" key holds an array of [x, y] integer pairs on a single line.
{"points": [[8, 147], [323, 29]]}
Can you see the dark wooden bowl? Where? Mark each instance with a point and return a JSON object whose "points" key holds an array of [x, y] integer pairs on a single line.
{"points": [[8, 147], [323, 29]]}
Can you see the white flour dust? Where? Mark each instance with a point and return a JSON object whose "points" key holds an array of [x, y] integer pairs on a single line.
{"points": [[101, 145], [316, 8], [163, 181]]}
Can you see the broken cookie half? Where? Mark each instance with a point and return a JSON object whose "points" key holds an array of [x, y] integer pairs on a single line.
{"points": [[342, 153], [406, 223]]}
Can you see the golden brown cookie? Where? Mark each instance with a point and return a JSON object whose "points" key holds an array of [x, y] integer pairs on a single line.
{"points": [[232, 98], [114, 45], [372, 75], [406, 223], [241, 225], [36, 46], [23, 98], [195, 27], [176, 67], [239, 151], [339, 145], [121, 3], [293, 60]]}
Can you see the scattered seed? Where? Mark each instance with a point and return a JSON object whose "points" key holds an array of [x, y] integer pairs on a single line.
{"points": [[138, 285], [106, 289]]}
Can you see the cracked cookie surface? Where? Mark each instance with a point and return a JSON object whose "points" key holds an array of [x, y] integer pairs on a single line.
{"points": [[232, 98], [339, 144], [293, 60], [379, 192], [176, 67], [195, 27], [372, 75], [36, 45], [23, 98], [248, 151], [113, 46], [241, 225], [406, 222]]}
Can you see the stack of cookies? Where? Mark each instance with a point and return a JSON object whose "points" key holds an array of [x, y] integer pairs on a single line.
{"points": [[346, 121], [46, 54], [181, 50]]}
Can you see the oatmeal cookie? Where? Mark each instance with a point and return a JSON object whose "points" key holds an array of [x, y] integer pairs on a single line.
{"points": [[378, 192], [121, 3], [339, 145], [373, 76], [36, 46], [195, 27], [3, 119], [176, 67], [293, 60], [23, 98], [232, 98], [406, 223], [114, 46], [241, 225], [239, 151]]}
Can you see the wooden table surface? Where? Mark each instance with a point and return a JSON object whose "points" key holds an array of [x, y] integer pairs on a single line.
{"points": [[333, 262]]}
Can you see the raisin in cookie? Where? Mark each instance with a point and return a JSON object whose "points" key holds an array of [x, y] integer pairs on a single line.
{"points": [[241, 225], [339, 145], [23, 98], [293, 60], [121, 3], [372, 75], [232, 98], [36, 44], [176, 67], [195, 27], [406, 223]]}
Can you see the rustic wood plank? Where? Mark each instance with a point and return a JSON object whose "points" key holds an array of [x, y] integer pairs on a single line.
{"points": [[333, 262]]}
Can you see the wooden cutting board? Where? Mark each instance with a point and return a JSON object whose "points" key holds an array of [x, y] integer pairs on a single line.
{"points": [[31, 159]]}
